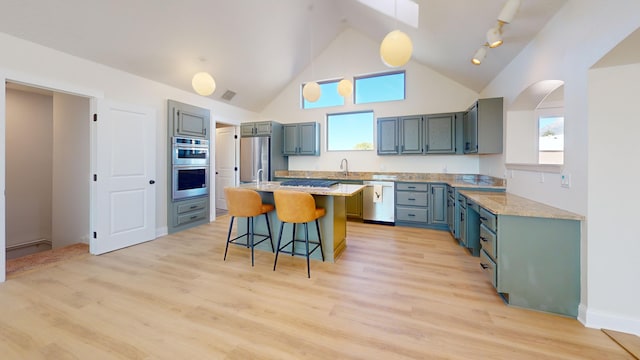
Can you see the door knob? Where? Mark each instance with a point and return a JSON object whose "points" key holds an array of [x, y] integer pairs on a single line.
{"points": [[152, 182]]}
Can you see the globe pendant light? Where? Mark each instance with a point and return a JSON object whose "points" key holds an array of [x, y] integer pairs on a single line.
{"points": [[203, 84], [396, 49], [311, 91], [345, 88]]}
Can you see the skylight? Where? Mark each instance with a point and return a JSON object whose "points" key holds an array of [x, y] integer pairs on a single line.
{"points": [[406, 11]]}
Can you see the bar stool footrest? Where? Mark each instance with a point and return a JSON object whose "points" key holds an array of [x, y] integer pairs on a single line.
{"points": [[281, 249], [246, 243]]}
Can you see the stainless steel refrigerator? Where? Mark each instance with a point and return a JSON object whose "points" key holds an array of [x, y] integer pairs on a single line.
{"points": [[262, 152]]}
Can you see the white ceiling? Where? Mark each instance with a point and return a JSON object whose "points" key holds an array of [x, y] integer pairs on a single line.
{"points": [[256, 47]]}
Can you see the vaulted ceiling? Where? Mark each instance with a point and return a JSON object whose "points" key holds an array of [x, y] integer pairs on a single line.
{"points": [[256, 47]]}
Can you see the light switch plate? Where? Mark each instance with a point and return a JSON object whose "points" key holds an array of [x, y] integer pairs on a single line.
{"points": [[565, 180]]}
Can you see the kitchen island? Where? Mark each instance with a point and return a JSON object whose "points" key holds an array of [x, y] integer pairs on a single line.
{"points": [[333, 226]]}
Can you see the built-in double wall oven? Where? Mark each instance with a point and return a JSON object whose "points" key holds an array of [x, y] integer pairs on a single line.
{"points": [[190, 163]]}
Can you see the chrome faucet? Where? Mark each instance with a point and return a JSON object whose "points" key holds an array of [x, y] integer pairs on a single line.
{"points": [[345, 168], [258, 177]]}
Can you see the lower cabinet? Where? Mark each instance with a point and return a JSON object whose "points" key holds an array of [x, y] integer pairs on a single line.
{"points": [[412, 204], [188, 213], [451, 208], [421, 204], [353, 203], [532, 262], [468, 225]]}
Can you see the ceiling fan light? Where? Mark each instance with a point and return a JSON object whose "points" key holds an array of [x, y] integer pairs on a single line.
{"points": [[479, 56], [494, 37], [396, 49], [509, 11], [203, 84], [311, 91], [345, 87]]}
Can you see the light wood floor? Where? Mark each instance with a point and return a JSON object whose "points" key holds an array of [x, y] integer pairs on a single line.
{"points": [[396, 293]]}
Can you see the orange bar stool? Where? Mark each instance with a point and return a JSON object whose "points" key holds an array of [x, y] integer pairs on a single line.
{"points": [[297, 208], [247, 203]]}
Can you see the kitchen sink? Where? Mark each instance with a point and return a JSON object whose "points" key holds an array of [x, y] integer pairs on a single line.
{"points": [[383, 177]]}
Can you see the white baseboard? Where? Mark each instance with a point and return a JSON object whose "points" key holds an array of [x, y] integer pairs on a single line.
{"points": [[604, 320], [162, 231]]}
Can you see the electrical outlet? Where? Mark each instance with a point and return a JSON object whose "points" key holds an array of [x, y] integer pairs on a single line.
{"points": [[565, 180]]}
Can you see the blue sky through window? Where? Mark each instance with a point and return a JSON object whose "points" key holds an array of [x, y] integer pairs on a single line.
{"points": [[329, 96], [381, 87], [350, 131]]}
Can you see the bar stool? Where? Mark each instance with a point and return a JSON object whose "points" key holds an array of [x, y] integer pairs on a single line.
{"points": [[297, 208], [247, 203]]}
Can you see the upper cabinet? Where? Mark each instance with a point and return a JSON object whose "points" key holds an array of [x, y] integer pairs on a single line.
{"points": [[301, 139], [482, 126], [261, 128], [440, 133], [418, 134], [388, 136], [411, 136], [188, 120]]}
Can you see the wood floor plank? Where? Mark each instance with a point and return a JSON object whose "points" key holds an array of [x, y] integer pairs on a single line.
{"points": [[395, 292]]}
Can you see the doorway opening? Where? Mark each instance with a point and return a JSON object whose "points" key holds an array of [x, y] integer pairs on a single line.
{"points": [[47, 162], [226, 163]]}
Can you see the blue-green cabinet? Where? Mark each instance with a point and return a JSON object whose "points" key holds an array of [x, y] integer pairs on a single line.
{"points": [[419, 134], [482, 127], [438, 213], [421, 205], [411, 134], [261, 128], [532, 262], [388, 136], [440, 134], [301, 139]]}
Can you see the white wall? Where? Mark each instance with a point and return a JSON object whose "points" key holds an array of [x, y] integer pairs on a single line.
{"points": [[614, 244], [28, 183], [352, 54], [29, 63], [579, 35], [71, 170]]}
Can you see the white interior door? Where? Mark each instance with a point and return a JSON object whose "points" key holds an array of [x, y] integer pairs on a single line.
{"points": [[226, 163], [124, 163]]}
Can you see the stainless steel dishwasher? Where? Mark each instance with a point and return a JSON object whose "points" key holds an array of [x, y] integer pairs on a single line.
{"points": [[378, 202]]}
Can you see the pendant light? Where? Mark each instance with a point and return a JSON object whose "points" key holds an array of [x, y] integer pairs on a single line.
{"points": [[345, 87], [203, 83], [311, 91], [396, 48]]}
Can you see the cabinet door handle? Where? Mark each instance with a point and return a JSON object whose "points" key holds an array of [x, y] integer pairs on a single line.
{"points": [[483, 239], [484, 266], [483, 218], [193, 206], [411, 199], [193, 217], [411, 215]]}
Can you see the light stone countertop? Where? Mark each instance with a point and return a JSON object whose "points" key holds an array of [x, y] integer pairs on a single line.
{"points": [[502, 203], [335, 190], [456, 180]]}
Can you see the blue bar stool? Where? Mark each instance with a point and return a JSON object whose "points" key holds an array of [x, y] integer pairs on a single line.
{"points": [[247, 203], [297, 208]]}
